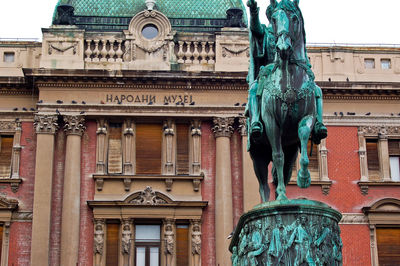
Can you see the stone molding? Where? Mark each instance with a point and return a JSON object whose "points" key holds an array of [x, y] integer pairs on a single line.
{"points": [[354, 218], [8, 126], [74, 125], [379, 131], [223, 127], [46, 124]]}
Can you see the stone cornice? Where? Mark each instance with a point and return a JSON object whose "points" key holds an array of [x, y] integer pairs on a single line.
{"points": [[46, 124], [74, 125], [362, 120], [223, 126]]}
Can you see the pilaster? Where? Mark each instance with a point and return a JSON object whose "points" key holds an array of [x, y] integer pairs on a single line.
{"points": [[46, 126], [74, 128], [101, 149], [196, 242], [98, 242], [169, 147], [223, 129], [383, 149], [195, 147]]}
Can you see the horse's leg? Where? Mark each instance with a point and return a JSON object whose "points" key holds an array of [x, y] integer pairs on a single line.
{"points": [[303, 176], [291, 153], [261, 158]]}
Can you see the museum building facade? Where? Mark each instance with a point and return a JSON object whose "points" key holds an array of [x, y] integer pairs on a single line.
{"points": [[123, 139]]}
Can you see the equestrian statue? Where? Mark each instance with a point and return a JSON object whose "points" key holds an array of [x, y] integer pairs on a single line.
{"points": [[284, 107]]}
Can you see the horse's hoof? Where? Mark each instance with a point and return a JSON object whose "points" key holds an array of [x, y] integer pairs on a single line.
{"points": [[281, 197], [303, 179]]}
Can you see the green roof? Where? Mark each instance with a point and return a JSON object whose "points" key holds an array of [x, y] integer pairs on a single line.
{"points": [[173, 9]]}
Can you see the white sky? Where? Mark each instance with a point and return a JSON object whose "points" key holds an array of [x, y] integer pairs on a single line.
{"points": [[326, 21]]}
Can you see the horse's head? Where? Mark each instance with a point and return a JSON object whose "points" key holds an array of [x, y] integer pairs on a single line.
{"points": [[288, 26]]}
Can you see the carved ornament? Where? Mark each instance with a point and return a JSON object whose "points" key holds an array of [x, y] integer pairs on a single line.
{"points": [[234, 51], [243, 126], [62, 49], [354, 218], [74, 125], [380, 131], [8, 204], [8, 125], [148, 197], [223, 126], [46, 124]]}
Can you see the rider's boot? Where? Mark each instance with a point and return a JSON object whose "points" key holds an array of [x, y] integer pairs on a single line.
{"points": [[319, 131], [256, 127]]}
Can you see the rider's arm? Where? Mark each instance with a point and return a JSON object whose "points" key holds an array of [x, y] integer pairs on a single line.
{"points": [[255, 24]]}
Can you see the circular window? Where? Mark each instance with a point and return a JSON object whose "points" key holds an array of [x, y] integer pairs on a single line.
{"points": [[150, 31]]}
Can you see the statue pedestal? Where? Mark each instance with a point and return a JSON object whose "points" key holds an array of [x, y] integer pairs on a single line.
{"points": [[289, 232]]}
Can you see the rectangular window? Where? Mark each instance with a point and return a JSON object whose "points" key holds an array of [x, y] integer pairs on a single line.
{"points": [[112, 244], [9, 57], [182, 245], [115, 148], [388, 242], [147, 245], [394, 157], [386, 64], [369, 63], [6, 147], [148, 148], [182, 149]]}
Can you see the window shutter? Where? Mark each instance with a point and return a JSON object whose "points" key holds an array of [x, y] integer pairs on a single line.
{"points": [[148, 148], [372, 155], [394, 147], [182, 245], [182, 143], [388, 240], [6, 147], [112, 244], [115, 149]]}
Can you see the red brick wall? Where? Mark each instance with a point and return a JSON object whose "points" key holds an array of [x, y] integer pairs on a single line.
{"points": [[21, 232], [237, 176], [88, 167], [208, 194], [356, 245], [57, 197]]}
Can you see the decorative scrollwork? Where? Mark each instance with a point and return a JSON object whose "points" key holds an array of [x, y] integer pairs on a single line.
{"points": [[148, 197]]}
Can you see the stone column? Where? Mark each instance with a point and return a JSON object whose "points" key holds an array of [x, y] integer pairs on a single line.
{"points": [[98, 242], [126, 245], [74, 129], [251, 195], [46, 126], [196, 242], [169, 239], [223, 188]]}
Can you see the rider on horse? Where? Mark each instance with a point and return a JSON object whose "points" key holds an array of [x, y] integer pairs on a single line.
{"points": [[262, 53]]}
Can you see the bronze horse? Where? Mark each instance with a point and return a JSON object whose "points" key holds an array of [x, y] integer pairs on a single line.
{"points": [[288, 103]]}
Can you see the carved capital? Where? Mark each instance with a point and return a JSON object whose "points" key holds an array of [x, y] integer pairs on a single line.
{"points": [[195, 128], [74, 125], [46, 124], [243, 126], [223, 126]]}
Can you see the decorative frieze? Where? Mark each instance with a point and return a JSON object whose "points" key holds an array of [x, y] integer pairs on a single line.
{"points": [[8, 126], [354, 218], [379, 131], [46, 124], [74, 125], [223, 126]]}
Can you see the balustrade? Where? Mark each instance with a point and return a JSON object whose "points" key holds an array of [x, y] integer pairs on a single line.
{"points": [[194, 52], [108, 50]]}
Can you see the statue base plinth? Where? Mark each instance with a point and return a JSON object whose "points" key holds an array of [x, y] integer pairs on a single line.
{"points": [[288, 232]]}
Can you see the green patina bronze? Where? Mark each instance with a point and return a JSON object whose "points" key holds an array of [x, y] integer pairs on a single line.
{"points": [[284, 110], [284, 104], [288, 232]]}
